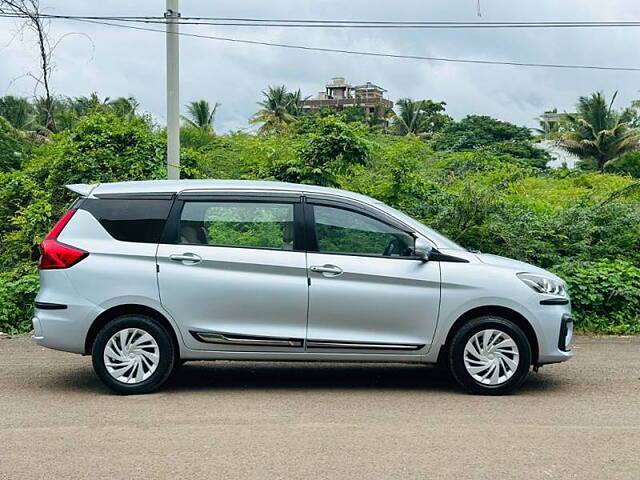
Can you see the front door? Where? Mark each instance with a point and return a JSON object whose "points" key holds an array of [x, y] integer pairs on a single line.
{"points": [[368, 293], [232, 272]]}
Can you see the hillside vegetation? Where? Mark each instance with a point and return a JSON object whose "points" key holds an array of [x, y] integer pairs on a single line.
{"points": [[480, 181]]}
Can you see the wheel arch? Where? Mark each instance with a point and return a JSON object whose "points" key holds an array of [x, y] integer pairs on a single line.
{"points": [[128, 309], [499, 311]]}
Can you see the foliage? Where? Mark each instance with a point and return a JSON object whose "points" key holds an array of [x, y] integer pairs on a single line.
{"points": [[599, 132], [333, 150], [10, 147], [17, 291], [279, 109], [605, 295], [422, 118], [201, 115], [17, 111], [480, 181], [626, 164], [475, 131]]}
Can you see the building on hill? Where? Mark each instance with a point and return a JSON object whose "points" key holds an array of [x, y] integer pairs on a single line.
{"points": [[339, 94]]}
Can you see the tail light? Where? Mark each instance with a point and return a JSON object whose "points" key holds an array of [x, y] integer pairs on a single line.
{"points": [[56, 254]]}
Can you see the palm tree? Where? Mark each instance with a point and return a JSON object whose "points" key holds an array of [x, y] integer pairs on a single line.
{"points": [[201, 115], [420, 118], [18, 112], [599, 132], [124, 107], [279, 109]]}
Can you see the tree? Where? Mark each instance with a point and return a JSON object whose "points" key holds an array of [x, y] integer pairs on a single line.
{"points": [[124, 107], [29, 10], [10, 147], [279, 109], [18, 112], [476, 131], [201, 115], [599, 132], [421, 118], [332, 150]]}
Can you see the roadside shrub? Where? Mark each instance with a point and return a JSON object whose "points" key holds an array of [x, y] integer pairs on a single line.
{"points": [[605, 295], [10, 147], [17, 291]]}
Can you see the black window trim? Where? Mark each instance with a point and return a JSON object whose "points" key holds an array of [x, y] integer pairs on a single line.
{"points": [[135, 196], [312, 241], [170, 235]]}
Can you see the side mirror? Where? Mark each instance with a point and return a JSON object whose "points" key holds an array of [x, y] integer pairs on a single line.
{"points": [[422, 249]]}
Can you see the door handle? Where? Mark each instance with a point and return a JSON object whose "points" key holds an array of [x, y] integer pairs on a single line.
{"points": [[327, 270], [186, 258]]}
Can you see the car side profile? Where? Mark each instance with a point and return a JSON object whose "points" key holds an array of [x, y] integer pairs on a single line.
{"points": [[145, 275]]}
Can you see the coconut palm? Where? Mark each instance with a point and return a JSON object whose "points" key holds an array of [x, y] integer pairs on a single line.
{"points": [[420, 118], [279, 108], [599, 132], [18, 112], [201, 115]]}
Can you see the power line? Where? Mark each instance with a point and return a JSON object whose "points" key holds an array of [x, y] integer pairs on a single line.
{"points": [[351, 52], [304, 23]]}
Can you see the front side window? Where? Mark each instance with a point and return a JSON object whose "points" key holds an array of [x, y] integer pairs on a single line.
{"points": [[238, 224], [347, 232]]}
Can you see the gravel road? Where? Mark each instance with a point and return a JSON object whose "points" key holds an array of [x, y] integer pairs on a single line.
{"points": [[249, 420]]}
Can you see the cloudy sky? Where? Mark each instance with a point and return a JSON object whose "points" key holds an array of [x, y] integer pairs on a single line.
{"points": [[122, 62]]}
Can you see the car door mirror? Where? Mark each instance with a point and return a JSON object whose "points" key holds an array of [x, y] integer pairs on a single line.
{"points": [[422, 249]]}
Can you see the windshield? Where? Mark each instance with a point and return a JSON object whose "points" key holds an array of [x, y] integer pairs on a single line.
{"points": [[440, 240]]}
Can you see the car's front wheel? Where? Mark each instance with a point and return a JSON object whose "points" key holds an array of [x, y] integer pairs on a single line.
{"points": [[133, 354], [489, 355]]}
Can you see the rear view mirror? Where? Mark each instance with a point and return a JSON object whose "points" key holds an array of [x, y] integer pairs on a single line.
{"points": [[422, 249]]}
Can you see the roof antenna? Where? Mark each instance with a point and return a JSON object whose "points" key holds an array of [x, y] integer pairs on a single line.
{"points": [[479, 10]]}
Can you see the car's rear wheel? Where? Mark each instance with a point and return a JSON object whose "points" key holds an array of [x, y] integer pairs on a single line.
{"points": [[133, 354], [489, 355]]}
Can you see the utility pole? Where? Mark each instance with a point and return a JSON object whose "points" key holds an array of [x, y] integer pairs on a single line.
{"points": [[173, 90]]}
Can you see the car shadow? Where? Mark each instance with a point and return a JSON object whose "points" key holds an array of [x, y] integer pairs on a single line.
{"points": [[218, 376], [298, 376]]}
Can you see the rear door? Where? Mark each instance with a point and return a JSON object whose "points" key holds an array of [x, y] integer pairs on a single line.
{"points": [[232, 271], [367, 292]]}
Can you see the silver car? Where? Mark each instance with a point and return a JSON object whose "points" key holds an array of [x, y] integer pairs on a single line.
{"points": [[145, 275]]}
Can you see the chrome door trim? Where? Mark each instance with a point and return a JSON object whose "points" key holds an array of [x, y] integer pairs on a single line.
{"points": [[258, 341], [360, 345]]}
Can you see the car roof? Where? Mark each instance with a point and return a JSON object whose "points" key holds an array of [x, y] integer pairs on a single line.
{"points": [[177, 186]]}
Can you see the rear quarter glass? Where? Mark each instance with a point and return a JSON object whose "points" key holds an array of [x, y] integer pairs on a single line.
{"points": [[130, 220]]}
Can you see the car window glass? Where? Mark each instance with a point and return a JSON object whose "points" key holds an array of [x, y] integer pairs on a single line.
{"points": [[344, 231], [131, 220], [237, 224]]}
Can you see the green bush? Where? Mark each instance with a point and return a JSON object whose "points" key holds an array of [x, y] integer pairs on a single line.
{"points": [[605, 295], [99, 148], [17, 291], [10, 147]]}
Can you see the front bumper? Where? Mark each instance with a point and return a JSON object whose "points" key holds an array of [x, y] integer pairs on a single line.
{"points": [[554, 328]]}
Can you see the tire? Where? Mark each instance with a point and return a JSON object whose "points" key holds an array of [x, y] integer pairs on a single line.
{"points": [[505, 367], [128, 364]]}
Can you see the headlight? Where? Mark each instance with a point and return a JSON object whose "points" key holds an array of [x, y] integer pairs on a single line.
{"points": [[545, 285]]}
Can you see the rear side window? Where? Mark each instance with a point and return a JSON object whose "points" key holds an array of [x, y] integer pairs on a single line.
{"points": [[130, 220], [238, 224]]}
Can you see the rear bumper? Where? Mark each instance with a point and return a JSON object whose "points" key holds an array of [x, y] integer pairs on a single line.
{"points": [[63, 329]]}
